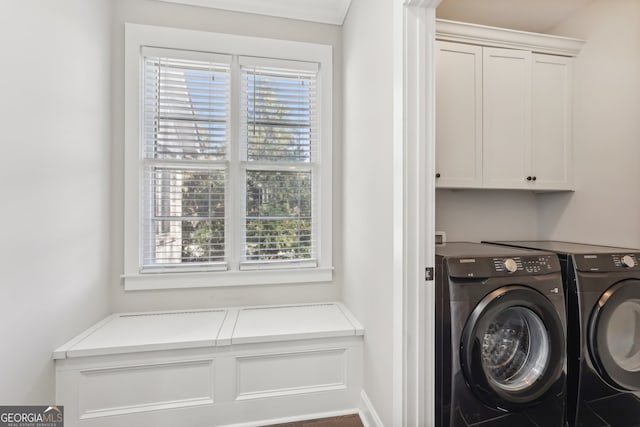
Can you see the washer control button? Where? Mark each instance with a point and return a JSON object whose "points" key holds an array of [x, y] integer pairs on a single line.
{"points": [[628, 261], [510, 265]]}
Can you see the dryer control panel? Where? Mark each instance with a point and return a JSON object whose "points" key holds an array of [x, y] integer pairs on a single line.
{"points": [[503, 266], [607, 262]]}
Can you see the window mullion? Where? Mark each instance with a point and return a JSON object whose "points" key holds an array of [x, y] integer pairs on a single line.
{"points": [[235, 187]]}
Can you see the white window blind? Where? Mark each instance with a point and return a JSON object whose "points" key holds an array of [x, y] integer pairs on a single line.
{"points": [[279, 140], [186, 128]]}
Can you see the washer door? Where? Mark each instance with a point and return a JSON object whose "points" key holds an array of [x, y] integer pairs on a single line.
{"points": [[614, 335], [513, 348]]}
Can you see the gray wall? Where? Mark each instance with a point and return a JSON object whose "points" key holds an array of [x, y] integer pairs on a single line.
{"points": [[368, 193], [196, 18], [605, 208], [54, 169], [476, 215]]}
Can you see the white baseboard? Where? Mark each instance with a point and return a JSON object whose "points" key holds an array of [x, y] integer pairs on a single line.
{"points": [[368, 414]]}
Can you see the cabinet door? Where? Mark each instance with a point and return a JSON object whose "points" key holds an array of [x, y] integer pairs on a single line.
{"points": [[552, 100], [507, 118], [458, 115]]}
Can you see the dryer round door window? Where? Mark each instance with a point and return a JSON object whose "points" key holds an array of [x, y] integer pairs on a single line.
{"points": [[513, 347], [622, 334], [614, 335]]}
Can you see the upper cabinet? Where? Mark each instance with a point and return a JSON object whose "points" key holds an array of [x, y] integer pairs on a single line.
{"points": [[551, 114], [503, 108], [506, 117], [458, 115]]}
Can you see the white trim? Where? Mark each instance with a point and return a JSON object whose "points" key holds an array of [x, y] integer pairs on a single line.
{"points": [[139, 282], [61, 352], [415, 159], [463, 32], [295, 53], [368, 414], [359, 329], [427, 312], [231, 44], [323, 11], [399, 392], [329, 323]]}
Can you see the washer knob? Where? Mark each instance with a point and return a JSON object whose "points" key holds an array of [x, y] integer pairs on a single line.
{"points": [[510, 265], [628, 261]]}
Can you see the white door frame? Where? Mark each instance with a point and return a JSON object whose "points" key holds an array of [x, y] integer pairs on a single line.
{"points": [[414, 211]]}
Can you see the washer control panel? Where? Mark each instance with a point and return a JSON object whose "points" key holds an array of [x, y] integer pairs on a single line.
{"points": [[536, 264], [510, 265], [603, 262], [503, 266]]}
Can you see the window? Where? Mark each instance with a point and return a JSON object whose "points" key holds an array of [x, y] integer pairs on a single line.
{"points": [[227, 160]]}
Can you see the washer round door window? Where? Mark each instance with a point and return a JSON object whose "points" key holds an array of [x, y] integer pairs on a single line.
{"points": [[512, 348], [515, 349], [614, 335]]}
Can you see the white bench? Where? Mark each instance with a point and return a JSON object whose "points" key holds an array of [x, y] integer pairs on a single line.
{"points": [[235, 366]]}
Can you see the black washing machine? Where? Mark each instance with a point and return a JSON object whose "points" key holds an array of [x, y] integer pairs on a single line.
{"points": [[500, 337], [602, 286]]}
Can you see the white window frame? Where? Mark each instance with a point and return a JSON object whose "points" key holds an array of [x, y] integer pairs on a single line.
{"points": [[138, 36]]}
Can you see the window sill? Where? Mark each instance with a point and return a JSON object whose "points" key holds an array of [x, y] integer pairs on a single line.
{"points": [[140, 282]]}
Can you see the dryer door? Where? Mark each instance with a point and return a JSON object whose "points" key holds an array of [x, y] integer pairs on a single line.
{"points": [[513, 348], [614, 335]]}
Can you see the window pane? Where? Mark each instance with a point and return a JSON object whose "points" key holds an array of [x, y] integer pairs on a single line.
{"points": [[186, 109], [278, 224], [279, 116], [187, 216]]}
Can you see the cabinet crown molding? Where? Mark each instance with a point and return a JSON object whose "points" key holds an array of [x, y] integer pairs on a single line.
{"points": [[463, 32]]}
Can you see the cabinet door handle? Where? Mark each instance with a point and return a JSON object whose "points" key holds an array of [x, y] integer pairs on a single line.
{"points": [[438, 175], [534, 178], [529, 178]]}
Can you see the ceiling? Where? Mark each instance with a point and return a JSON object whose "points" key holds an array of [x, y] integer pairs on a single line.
{"points": [[539, 16]]}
